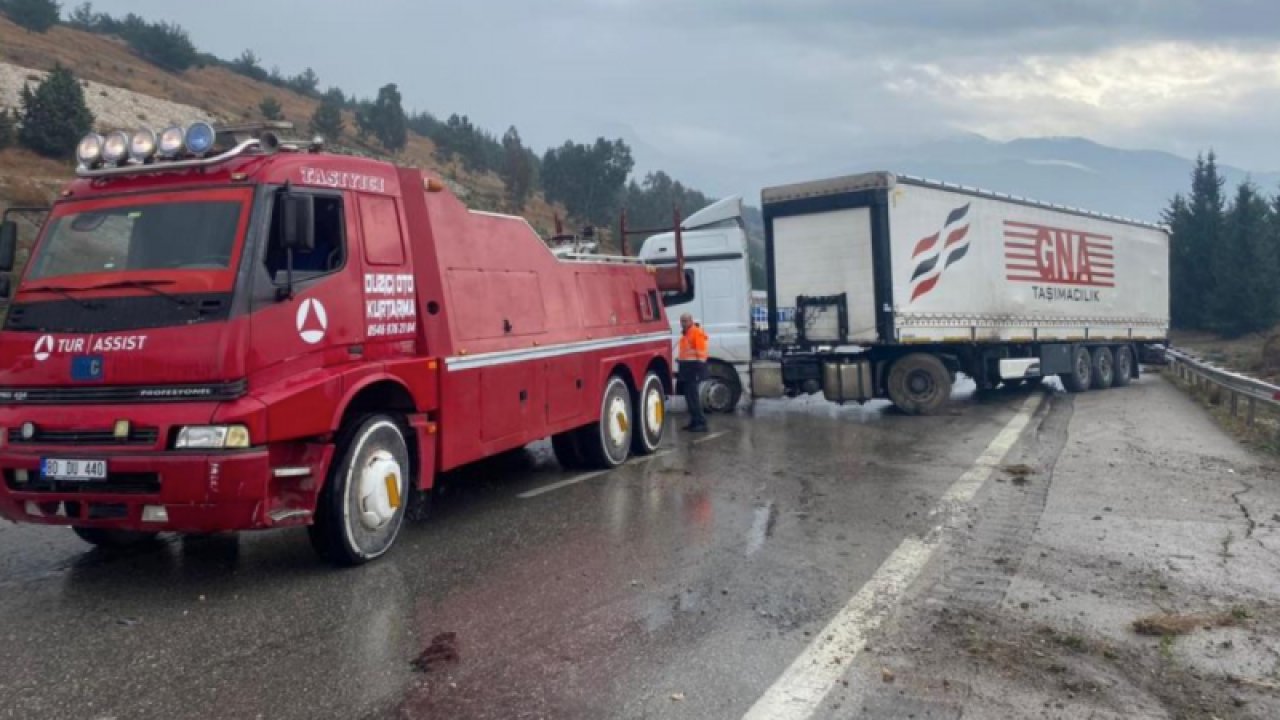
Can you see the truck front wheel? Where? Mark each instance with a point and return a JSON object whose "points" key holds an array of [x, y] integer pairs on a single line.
{"points": [[606, 443], [362, 505], [919, 384], [1081, 374], [722, 390]]}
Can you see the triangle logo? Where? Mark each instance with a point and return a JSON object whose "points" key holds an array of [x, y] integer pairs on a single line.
{"points": [[311, 321]]}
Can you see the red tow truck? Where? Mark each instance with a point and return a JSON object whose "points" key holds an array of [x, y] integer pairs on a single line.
{"points": [[219, 329]]}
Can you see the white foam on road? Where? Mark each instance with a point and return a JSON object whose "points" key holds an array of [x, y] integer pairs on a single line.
{"points": [[799, 692]]}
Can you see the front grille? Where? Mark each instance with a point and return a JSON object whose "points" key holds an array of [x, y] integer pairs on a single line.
{"points": [[116, 482], [137, 436], [108, 394]]}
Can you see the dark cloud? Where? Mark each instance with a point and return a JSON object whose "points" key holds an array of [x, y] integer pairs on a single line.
{"points": [[733, 94]]}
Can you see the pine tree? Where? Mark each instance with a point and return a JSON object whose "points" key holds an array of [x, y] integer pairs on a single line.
{"points": [[1245, 299], [518, 169], [1183, 306], [387, 119], [1204, 234], [54, 115], [270, 108], [7, 129], [327, 119], [34, 15]]}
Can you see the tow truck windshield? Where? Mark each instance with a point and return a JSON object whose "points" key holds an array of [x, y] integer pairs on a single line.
{"points": [[185, 235]]}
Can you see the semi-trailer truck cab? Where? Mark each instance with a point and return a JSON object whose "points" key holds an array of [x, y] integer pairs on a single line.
{"points": [[220, 330], [717, 294]]}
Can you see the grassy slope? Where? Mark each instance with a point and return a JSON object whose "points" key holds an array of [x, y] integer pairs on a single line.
{"points": [[218, 91], [1244, 354]]}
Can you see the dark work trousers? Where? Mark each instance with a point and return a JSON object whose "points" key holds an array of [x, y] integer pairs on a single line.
{"points": [[692, 373]]}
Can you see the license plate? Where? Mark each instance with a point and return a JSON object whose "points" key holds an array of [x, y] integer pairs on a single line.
{"points": [[56, 469]]}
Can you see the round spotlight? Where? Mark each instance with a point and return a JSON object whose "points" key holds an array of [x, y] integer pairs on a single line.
{"points": [[200, 138], [142, 146], [115, 148], [89, 151], [172, 142]]}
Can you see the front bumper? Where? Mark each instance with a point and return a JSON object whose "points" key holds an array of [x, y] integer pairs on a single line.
{"points": [[200, 492]]}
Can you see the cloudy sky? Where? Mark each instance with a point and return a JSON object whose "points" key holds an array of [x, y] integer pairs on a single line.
{"points": [[735, 94]]}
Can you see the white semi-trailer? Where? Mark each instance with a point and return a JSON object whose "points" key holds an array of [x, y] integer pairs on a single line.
{"points": [[887, 286]]}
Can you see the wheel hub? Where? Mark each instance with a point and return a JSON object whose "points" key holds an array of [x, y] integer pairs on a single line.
{"points": [[618, 423], [654, 409], [379, 493], [920, 383]]}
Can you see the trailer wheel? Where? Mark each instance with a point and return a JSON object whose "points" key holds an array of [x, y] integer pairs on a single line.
{"points": [[651, 413], [1081, 371], [362, 506], [919, 384], [606, 443], [113, 538], [1124, 367], [568, 453], [1104, 368], [722, 389]]}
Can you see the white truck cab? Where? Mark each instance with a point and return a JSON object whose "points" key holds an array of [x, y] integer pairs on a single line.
{"points": [[718, 294]]}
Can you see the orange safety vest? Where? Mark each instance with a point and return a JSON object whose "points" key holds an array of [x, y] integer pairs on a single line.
{"points": [[693, 345]]}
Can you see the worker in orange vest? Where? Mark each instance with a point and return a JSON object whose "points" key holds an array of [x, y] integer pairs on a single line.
{"points": [[693, 369]]}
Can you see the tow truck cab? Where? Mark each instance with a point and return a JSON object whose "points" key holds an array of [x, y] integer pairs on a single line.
{"points": [[276, 336]]}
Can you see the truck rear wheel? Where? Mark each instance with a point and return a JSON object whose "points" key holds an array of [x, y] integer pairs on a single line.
{"points": [[1104, 368], [919, 384], [362, 505], [651, 414], [112, 538], [1081, 371], [606, 443], [1124, 366], [722, 389]]}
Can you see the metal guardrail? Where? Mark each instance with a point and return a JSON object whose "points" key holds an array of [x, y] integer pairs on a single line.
{"points": [[1220, 385]]}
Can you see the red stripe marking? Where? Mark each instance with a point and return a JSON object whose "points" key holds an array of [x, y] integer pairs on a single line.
{"points": [[924, 287], [1020, 256], [957, 235], [925, 245]]}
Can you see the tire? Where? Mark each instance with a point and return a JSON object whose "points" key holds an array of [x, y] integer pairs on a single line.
{"points": [[1124, 367], [919, 384], [606, 443], [568, 453], [1081, 375], [722, 389], [1104, 368], [651, 414], [112, 538], [362, 506]]}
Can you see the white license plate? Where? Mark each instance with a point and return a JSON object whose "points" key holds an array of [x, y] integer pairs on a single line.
{"points": [[56, 469]]}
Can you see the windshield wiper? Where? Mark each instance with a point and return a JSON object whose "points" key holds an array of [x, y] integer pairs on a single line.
{"points": [[64, 292], [148, 285]]}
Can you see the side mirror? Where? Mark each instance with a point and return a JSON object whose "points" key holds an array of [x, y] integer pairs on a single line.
{"points": [[8, 245], [298, 231]]}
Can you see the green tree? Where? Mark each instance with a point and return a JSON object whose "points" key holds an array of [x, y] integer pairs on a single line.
{"points": [[1204, 232], [326, 121], [7, 129], [1184, 307], [304, 83], [34, 15], [54, 115], [162, 44], [83, 18], [249, 66], [651, 202], [588, 179], [270, 108], [387, 120], [1246, 297], [519, 168]]}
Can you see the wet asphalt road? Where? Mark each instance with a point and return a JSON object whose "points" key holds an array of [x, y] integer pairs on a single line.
{"points": [[678, 587]]}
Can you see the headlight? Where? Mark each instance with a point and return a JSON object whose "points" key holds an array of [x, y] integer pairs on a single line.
{"points": [[212, 437], [89, 151], [142, 146], [115, 148]]}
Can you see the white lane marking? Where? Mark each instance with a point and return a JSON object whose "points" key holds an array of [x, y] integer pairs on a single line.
{"points": [[586, 476], [710, 437], [801, 689]]}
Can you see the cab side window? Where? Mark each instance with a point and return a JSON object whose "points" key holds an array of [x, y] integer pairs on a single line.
{"points": [[680, 298], [330, 252]]}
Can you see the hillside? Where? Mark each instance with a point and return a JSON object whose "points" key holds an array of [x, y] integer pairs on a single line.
{"points": [[216, 92]]}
